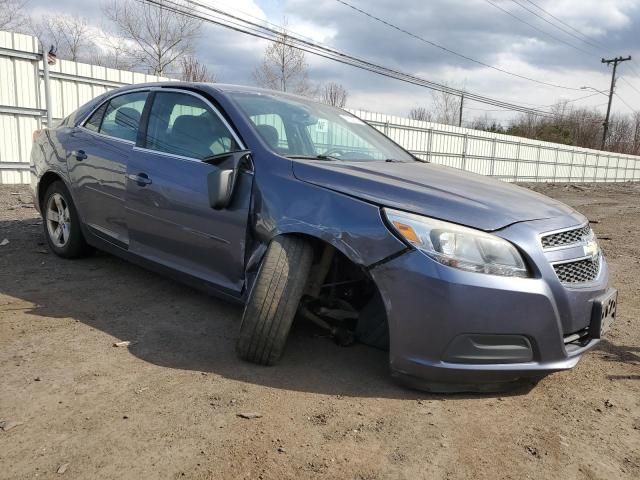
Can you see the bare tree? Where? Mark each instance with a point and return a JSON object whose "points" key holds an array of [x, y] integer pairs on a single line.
{"points": [[69, 35], [486, 123], [446, 107], [636, 133], [284, 67], [112, 51], [74, 33], [334, 94], [12, 14], [159, 36], [194, 71], [420, 113]]}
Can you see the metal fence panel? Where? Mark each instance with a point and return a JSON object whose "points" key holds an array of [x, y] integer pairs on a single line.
{"points": [[502, 156], [22, 97]]}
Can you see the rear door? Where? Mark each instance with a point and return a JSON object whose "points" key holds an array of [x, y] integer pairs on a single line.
{"points": [[97, 156], [169, 217]]}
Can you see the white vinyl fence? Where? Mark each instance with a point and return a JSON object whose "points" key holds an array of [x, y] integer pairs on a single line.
{"points": [[23, 109], [23, 105], [504, 156]]}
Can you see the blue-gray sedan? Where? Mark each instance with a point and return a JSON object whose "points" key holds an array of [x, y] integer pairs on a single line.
{"points": [[293, 207]]}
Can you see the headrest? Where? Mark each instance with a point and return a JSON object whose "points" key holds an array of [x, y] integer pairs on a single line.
{"points": [[189, 125], [269, 134], [127, 117]]}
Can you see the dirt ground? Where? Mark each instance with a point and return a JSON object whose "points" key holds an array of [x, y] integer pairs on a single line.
{"points": [[166, 406]]}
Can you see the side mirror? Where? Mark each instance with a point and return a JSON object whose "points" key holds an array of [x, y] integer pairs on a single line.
{"points": [[222, 180]]}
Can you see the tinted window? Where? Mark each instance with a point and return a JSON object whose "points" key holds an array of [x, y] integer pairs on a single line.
{"points": [[184, 125], [122, 116], [95, 120], [272, 130]]}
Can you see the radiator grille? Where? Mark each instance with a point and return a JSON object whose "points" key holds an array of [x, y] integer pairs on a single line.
{"points": [[567, 237], [579, 271]]}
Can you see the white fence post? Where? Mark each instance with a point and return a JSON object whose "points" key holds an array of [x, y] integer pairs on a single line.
{"points": [[515, 164], [47, 86], [464, 151]]}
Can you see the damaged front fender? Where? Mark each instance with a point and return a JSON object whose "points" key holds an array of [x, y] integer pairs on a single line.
{"points": [[354, 227]]}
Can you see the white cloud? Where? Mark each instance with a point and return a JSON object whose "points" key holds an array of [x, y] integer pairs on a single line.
{"points": [[593, 17]]}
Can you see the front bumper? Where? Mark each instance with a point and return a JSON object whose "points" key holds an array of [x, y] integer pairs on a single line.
{"points": [[452, 330]]}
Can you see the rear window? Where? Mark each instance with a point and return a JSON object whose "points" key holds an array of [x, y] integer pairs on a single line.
{"points": [[119, 117]]}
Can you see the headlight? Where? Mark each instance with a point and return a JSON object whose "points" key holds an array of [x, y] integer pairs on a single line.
{"points": [[459, 247]]}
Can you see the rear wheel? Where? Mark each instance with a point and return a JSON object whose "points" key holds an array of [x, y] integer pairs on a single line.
{"points": [[61, 223], [274, 300]]}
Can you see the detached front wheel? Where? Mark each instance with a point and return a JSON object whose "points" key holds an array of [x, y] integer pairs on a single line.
{"points": [[274, 300]]}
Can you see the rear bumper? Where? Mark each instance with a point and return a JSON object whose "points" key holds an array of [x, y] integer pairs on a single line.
{"points": [[460, 331]]}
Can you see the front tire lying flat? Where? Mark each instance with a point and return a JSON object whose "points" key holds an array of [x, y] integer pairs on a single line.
{"points": [[273, 302]]}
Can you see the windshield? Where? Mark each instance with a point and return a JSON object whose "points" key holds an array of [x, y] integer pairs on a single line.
{"points": [[297, 128]]}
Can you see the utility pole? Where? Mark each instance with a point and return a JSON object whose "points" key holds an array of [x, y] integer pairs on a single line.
{"points": [[615, 62], [460, 114]]}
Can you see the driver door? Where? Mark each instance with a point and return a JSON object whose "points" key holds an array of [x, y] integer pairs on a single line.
{"points": [[169, 215]]}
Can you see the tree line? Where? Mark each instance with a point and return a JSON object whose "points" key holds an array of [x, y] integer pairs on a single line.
{"points": [[576, 126], [567, 124]]}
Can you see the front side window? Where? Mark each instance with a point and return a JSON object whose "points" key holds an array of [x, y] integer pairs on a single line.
{"points": [[184, 125], [296, 127], [119, 117], [272, 130]]}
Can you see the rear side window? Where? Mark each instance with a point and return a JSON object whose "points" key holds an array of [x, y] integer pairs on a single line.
{"points": [[119, 117], [184, 125], [95, 120]]}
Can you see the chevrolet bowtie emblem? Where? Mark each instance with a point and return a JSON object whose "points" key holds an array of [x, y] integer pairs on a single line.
{"points": [[591, 249]]}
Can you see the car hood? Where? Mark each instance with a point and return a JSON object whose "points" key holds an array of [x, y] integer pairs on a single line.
{"points": [[433, 190]]}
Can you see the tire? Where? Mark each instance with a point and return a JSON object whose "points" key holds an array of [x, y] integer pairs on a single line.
{"points": [[70, 243], [273, 302]]}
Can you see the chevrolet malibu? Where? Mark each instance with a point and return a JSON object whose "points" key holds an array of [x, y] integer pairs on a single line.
{"points": [[298, 209]]}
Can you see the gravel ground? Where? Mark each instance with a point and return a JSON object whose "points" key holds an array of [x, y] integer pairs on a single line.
{"points": [[167, 405]]}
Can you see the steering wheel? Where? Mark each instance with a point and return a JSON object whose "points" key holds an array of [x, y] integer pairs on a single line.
{"points": [[334, 152]]}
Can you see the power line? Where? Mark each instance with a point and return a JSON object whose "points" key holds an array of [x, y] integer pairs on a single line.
{"points": [[398, 28], [551, 23], [448, 50], [566, 24], [633, 110], [539, 105], [634, 70], [581, 98], [628, 83], [536, 28], [260, 31]]}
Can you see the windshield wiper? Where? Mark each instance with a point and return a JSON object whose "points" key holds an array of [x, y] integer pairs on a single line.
{"points": [[313, 157]]}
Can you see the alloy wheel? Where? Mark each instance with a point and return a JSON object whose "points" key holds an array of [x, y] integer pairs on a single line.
{"points": [[58, 220]]}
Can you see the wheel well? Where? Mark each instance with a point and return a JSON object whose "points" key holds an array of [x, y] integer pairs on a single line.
{"points": [[336, 279], [46, 180]]}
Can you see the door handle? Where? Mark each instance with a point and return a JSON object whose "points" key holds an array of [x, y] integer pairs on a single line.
{"points": [[142, 179], [80, 155]]}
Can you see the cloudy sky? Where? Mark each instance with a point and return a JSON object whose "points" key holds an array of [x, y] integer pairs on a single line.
{"points": [[474, 28]]}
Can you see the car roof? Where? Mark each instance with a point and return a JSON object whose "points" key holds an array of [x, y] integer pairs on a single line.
{"points": [[223, 88]]}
